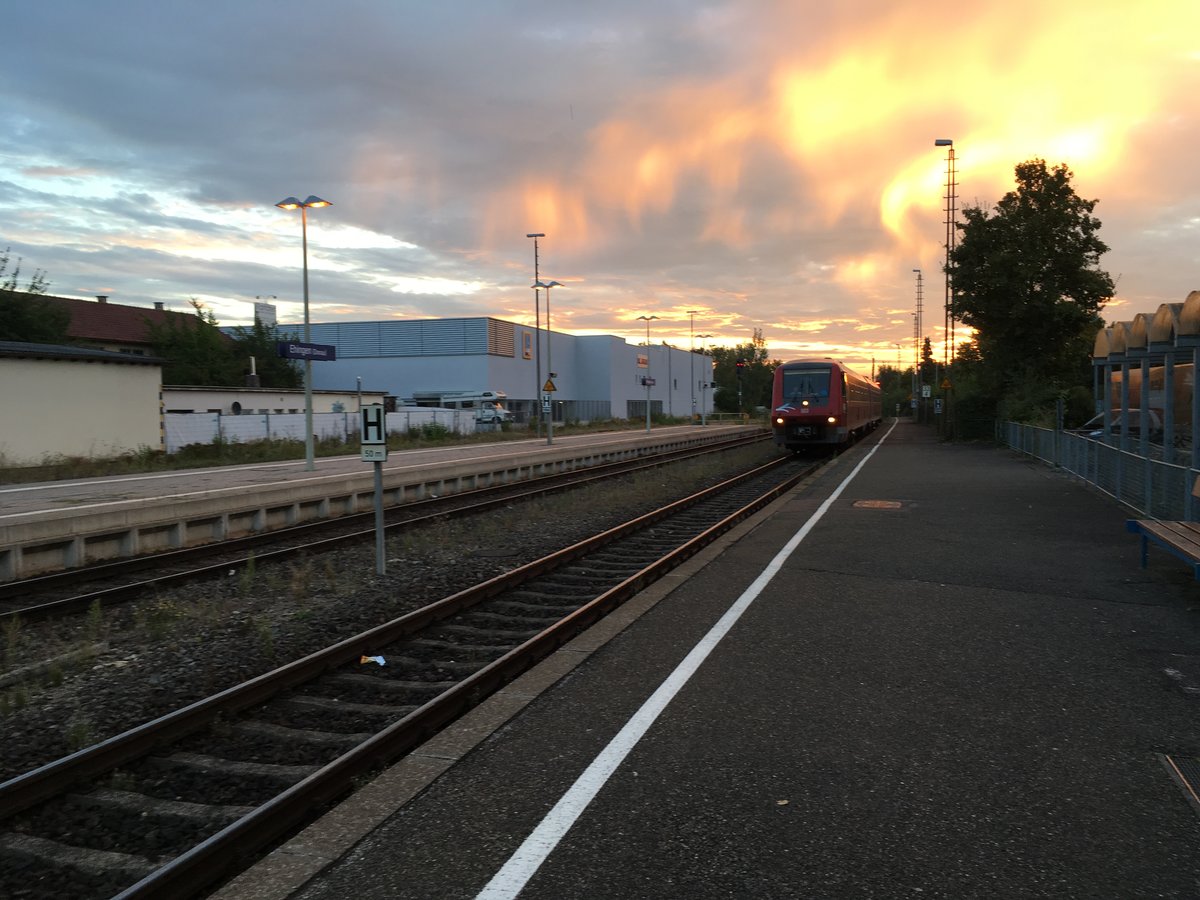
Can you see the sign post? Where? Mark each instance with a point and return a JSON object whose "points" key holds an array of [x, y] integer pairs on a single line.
{"points": [[374, 449], [548, 390]]}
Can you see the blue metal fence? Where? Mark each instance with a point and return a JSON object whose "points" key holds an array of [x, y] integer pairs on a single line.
{"points": [[1152, 487]]}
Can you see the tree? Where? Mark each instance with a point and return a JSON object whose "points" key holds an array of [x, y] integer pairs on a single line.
{"points": [[1027, 279], [196, 351], [259, 341], [25, 314], [895, 385], [755, 379], [928, 363]]}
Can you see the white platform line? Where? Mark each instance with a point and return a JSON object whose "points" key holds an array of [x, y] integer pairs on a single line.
{"points": [[528, 858]]}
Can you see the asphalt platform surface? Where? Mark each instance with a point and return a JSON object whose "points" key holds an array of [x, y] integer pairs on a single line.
{"points": [[959, 684]]}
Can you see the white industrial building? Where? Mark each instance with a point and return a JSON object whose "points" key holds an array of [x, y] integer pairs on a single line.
{"points": [[595, 376]]}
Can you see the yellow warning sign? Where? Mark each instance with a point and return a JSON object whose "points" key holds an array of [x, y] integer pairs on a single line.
{"points": [[549, 387], [946, 385]]}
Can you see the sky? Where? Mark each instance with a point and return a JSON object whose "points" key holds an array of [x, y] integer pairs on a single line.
{"points": [[725, 166]]}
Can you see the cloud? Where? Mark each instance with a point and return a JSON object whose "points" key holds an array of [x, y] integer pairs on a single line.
{"points": [[770, 165]]}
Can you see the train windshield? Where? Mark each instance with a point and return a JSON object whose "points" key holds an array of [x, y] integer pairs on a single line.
{"points": [[805, 384]]}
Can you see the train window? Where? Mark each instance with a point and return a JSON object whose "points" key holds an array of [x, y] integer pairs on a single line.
{"points": [[805, 384]]}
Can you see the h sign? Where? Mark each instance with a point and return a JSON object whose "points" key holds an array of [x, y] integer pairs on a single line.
{"points": [[374, 424]]}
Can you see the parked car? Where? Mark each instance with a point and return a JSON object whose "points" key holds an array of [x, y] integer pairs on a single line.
{"points": [[1094, 427]]}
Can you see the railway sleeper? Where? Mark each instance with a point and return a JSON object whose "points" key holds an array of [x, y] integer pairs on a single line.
{"points": [[418, 691], [548, 591], [339, 716], [332, 709], [639, 558], [94, 865], [501, 627], [283, 734], [141, 804], [502, 621], [209, 776], [605, 569], [459, 651], [583, 578], [537, 611]]}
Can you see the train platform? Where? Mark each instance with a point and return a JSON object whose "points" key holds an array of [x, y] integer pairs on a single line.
{"points": [[50, 526], [933, 670]]}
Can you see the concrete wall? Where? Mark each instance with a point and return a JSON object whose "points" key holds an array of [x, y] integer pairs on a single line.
{"points": [[261, 400], [68, 407]]}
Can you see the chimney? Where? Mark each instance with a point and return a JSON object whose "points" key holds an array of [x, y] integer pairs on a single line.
{"points": [[102, 298], [158, 304], [252, 380]]}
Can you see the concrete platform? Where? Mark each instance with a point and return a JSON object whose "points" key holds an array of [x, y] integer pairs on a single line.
{"points": [[57, 525], [958, 683]]}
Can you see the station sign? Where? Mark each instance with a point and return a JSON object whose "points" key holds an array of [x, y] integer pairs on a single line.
{"points": [[648, 382], [314, 352], [374, 425]]}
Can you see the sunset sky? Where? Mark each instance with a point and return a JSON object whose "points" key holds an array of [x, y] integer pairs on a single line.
{"points": [[765, 164]]}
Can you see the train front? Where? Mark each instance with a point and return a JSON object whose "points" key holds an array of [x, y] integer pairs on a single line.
{"points": [[807, 405]]}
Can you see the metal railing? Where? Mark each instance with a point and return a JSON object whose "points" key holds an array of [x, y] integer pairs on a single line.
{"points": [[1152, 487]]}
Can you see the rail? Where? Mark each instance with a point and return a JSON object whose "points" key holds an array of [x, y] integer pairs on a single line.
{"points": [[416, 656]]}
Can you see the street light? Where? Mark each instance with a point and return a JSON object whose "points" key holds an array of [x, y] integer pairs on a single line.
{"points": [[311, 203], [549, 356], [707, 378], [647, 320], [692, 359], [537, 333]]}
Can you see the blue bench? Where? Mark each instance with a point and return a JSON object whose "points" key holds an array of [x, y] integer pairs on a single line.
{"points": [[1181, 539]]}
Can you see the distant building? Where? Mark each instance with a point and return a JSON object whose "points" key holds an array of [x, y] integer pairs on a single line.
{"points": [[113, 326], [593, 376]]}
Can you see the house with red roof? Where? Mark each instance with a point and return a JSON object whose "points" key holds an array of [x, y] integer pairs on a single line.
{"points": [[114, 326]]}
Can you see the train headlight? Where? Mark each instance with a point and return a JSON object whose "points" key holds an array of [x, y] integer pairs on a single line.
{"points": [[779, 420], [832, 420]]}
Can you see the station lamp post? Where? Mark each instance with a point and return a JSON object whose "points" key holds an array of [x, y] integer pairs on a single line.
{"points": [[550, 374], [537, 333], [692, 359], [707, 378], [647, 320], [304, 206]]}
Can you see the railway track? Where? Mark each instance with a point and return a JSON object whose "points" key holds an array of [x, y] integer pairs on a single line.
{"points": [[171, 807], [75, 591]]}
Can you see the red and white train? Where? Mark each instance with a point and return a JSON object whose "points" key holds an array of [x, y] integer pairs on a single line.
{"points": [[822, 402]]}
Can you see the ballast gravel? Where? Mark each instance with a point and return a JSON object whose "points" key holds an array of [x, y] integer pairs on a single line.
{"points": [[65, 685]]}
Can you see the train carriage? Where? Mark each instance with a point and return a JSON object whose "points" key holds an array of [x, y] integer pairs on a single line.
{"points": [[822, 402]]}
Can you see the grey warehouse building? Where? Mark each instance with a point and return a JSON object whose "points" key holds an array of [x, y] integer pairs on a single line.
{"points": [[595, 376]]}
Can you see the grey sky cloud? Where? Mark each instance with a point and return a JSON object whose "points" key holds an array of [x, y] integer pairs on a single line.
{"points": [[768, 163]]}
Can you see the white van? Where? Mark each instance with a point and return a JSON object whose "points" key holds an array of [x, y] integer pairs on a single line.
{"points": [[488, 406]]}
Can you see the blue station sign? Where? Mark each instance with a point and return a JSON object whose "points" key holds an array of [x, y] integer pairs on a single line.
{"points": [[297, 350]]}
